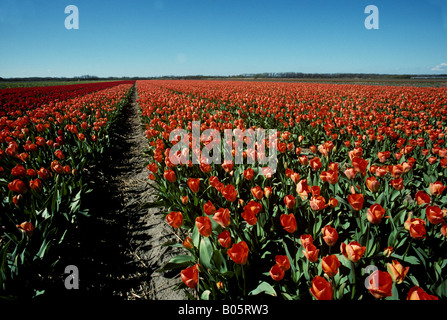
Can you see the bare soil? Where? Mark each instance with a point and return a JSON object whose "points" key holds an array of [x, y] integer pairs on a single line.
{"points": [[118, 248]]}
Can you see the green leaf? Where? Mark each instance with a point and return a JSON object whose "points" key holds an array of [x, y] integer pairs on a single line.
{"points": [[206, 253], [176, 262], [264, 287], [205, 295]]}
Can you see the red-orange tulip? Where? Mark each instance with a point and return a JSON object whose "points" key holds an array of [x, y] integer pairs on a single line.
{"points": [[175, 219], [288, 222], [330, 235], [289, 201], [203, 224], [434, 214], [356, 201], [239, 253], [222, 217], [190, 276], [380, 284], [277, 273], [375, 213], [330, 265], [417, 293], [321, 289], [352, 251], [224, 239]]}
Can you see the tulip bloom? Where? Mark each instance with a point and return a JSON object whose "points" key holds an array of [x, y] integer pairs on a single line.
{"points": [[170, 175], [330, 235], [203, 224], [434, 214], [190, 276], [283, 262], [330, 265], [360, 165], [321, 289], [356, 201], [288, 222], [277, 273], [417, 293], [175, 219], [222, 217], [318, 203], [18, 171], [311, 252], [26, 227], [397, 184], [289, 201], [375, 213], [239, 253], [230, 193], [416, 227], [372, 184], [267, 191], [250, 217], [306, 239], [187, 243], [422, 197], [352, 251], [437, 188], [257, 192], [209, 208], [380, 284], [248, 174], [397, 271], [303, 189], [18, 186], [224, 239], [193, 184], [315, 163], [35, 184]]}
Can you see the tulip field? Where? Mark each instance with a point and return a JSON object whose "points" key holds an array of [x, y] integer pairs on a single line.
{"points": [[48, 135], [355, 208]]}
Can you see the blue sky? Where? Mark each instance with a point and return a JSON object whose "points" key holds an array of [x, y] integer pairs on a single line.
{"points": [[221, 37]]}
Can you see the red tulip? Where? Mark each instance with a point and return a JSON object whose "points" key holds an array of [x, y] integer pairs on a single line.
{"points": [[289, 201], [230, 193], [330, 265], [288, 222], [224, 239], [330, 235], [321, 289], [239, 253], [203, 224], [375, 213], [190, 276], [222, 217], [380, 284], [175, 219], [17, 186], [356, 201], [277, 273]]}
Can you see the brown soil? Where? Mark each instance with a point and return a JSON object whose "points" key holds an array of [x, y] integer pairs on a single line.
{"points": [[119, 247]]}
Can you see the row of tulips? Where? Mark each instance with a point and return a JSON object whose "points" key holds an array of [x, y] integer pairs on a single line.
{"points": [[44, 148], [354, 210]]}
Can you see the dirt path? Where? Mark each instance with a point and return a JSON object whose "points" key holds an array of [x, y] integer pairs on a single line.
{"points": [[118, 249]]}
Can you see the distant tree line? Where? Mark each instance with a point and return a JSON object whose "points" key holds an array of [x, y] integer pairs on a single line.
{"points": [[265, 75]]}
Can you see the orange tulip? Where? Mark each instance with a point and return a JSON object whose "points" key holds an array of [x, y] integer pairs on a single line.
{"points": [[352, 251], [422, 197], [375, 213], [434, 214], [289, 201], [311, 252], [283, 262], [277, 273], [175, 219], [318, 203], [321, 289], [230, 193], [203, 224], [330, 265], [288, 222], [239, 253], [193, 184], [170, 175], [330, 235], [372, 184], [257, 192], [222, 217], [26, 227], [190, 276], [356, 201], [397, 271], [380, 284], [437, 188], [224, 239], [417, 293]]}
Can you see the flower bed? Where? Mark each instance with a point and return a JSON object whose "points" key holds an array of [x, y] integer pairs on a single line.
{"points": [[354, 208]]}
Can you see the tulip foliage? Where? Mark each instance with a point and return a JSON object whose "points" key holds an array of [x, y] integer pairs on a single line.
{"points": [[48, 135], [356, 208]]}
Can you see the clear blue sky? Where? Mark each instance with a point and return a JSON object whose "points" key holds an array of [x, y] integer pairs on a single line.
{"points": [[221, 37]]}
